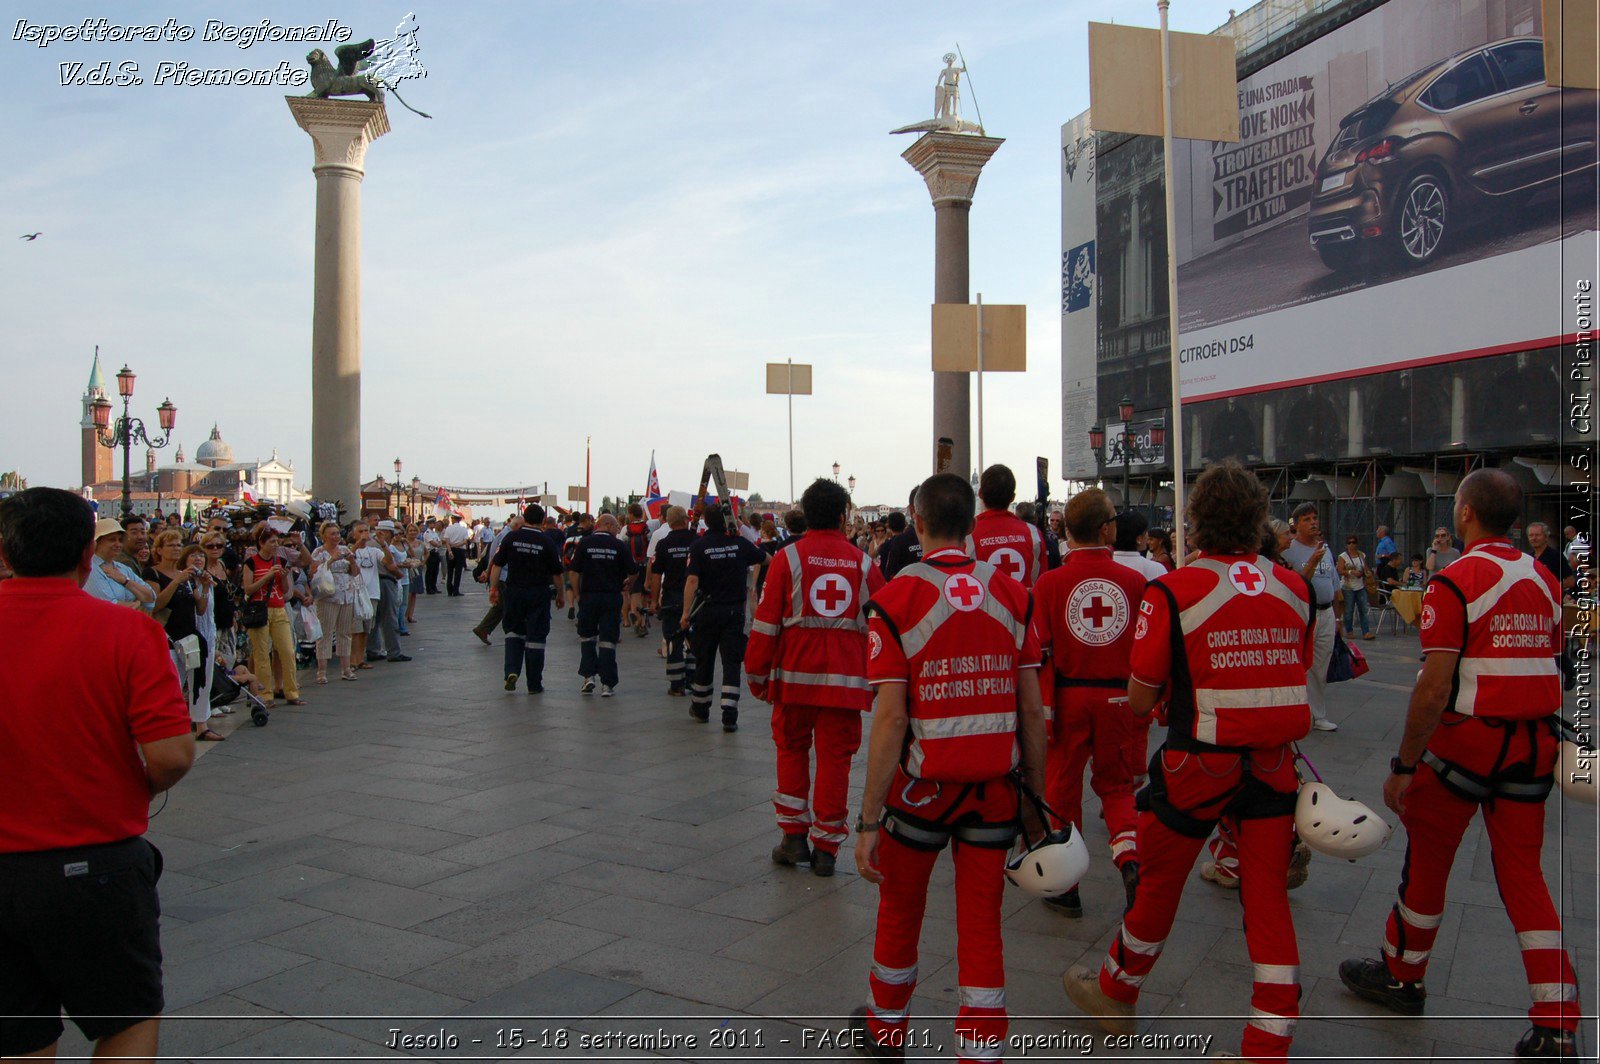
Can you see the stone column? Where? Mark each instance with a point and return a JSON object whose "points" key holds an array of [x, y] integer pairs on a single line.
{"points": [[950, 164], [340, 132]]}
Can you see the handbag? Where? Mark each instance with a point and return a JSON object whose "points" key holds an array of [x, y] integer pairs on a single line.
{"points": [[1341, 664], [189, 648], [1358, 661], [362, 606], [254, 614]]}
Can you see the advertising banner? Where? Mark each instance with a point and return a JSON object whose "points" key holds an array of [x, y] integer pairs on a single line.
{"points": [[1079, 316], [1401, 194]]}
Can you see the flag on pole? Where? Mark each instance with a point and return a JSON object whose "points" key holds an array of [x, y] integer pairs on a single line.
{"points": [[247, 492], [654, 501], [441, 502]]}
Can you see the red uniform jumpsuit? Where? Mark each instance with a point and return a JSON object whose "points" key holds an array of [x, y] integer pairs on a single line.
{"points": [[807, 655], [1083, 616], [1008, 543], [1229, 636], [1494, 748], [956, 633]]}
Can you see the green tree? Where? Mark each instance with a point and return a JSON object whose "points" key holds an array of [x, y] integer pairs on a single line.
{"points": [[756, 499]]}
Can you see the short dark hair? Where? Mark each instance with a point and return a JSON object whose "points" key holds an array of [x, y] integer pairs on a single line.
{"points": [[1131, 524], [534, 514], [896, 522], [1301, 511], [944, 502], [824, 503], [1417, 558], [996, 487], [715, 518], [1027, 512], [129, 520], [635, 511], [1087, 514], [795, 522], [1495, 498], [45, 531], [1228, 507], [911, 500]]}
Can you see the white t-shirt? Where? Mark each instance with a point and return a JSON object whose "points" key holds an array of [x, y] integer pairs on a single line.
{"points": [[485, 533], [456, 534], [1149, 568], [1358, 572], [369, 558]]}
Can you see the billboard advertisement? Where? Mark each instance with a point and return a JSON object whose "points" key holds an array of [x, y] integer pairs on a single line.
{"points": [[1079, 286], [1407, 192]]}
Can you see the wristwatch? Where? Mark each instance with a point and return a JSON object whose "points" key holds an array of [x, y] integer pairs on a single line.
{"points": [[1400, 768], [862, 826]]}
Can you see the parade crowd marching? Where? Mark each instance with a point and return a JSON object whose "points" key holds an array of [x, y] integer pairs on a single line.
{"points": [[1002, 654]]}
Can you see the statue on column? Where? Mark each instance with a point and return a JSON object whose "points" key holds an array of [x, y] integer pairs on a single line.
{"points": [[946, 104], [369, 67]]}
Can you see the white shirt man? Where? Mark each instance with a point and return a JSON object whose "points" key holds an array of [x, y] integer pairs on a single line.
{"points": [[456, 534]]}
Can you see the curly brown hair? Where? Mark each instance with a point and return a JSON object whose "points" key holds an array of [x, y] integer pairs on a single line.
{"points": [[1228, 509]]}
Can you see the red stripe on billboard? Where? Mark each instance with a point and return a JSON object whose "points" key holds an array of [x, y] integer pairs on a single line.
{"points": [[1390, 367]]}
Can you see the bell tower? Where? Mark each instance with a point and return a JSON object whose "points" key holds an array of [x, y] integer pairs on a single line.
{"points": [[96, 458]]}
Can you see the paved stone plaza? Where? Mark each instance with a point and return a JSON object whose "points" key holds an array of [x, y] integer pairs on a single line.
{"points": [[422, 845]]}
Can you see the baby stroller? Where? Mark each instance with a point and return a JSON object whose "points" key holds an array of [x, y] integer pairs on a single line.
{"points": [[225, 691]]}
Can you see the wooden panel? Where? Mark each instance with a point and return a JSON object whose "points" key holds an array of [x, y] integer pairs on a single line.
{"points": [[1125, 83], [738, 481], [955, 338], [778, 378], [1569, 44], [575, 493]]}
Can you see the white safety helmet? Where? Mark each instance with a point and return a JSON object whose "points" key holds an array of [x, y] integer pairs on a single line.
{"points": [[1575, 768], [1053, 865], [1337, 827]]}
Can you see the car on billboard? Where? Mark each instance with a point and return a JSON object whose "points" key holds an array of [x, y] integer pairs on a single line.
{"points": [[1454, 139]]}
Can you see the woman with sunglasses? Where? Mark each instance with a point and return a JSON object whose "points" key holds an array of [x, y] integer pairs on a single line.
{"points": [[335, 612], [1353, 572], [183, 594], [224, 595]]}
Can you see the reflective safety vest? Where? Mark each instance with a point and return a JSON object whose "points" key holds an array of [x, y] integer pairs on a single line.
{"points": [[956, 633], [1233, 636], [1501, 611], [808, 641], [1008, 543]]}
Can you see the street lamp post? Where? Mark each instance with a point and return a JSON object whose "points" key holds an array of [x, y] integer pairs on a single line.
{"points": [[1127, 442], [416, 488], [398, 488], [836, 472], [127, 429]]}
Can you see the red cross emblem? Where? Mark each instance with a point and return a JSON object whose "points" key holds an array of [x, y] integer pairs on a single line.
{"points": [[963, 592], [1010, 562], [1097, 612], [1247, 578], [830, 594]]}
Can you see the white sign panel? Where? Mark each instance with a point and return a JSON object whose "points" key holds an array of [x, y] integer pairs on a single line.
{"points": [[1079, 316]]}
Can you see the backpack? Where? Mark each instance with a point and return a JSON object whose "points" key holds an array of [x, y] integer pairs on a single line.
{"points": [[639, 541]]}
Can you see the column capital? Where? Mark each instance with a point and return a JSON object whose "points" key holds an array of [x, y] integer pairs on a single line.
{"points": [[340, 130], [950, 164]]}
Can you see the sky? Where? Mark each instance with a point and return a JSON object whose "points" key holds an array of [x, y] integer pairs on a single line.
{"points": [[618, 214]]}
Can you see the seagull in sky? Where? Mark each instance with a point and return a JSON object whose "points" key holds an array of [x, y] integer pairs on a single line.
{"points": [[30, 236]]}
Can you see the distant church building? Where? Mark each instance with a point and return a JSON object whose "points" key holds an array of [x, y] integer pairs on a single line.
{"points": [[211, 476]]}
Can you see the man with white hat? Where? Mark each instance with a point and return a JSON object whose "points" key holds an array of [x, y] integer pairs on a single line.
{"points": [[389, 574], [109, 579]]}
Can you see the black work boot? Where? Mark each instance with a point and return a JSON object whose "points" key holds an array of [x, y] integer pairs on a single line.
{"points": [[1067, 904], [1130, 881], [1547, 1043], [864, 1042], [791, 851], [1370, 979], [822, 863]]}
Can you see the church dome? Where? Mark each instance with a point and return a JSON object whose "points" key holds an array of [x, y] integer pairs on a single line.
{"points": [[214, 452]]}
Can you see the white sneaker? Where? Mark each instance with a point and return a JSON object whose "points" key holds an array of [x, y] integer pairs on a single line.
{"points": [[1323, 724], [605, 692], [587, 686]]}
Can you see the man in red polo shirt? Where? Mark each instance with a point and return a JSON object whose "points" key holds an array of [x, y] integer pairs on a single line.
{"points": [[999, 536], [93, 723]]}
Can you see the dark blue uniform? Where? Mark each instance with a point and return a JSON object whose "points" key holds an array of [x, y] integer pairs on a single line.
{"points": [[720, 562], [604, 563], [532, 562], [672, 562], [903, 549]]}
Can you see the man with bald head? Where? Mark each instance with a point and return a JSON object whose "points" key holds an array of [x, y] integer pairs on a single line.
{"points": [[1480, 733], [600, 567]]}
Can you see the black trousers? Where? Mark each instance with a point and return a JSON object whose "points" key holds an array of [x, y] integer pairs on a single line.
{"points": [[431, 574], [458, 565], [717, 630], [599, 627], [527, 621], [680, 659]]}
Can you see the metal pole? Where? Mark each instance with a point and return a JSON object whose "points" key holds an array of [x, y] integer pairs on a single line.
{"points": [[980, 384], [127, 444], [791, 430], [1127, 500], [1172, 286]]}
